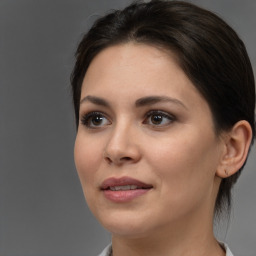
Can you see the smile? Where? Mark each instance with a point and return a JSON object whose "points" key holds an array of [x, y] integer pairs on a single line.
{"points": [[125, 189]]}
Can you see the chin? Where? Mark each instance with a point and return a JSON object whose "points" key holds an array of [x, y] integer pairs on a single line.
{"points": [[125, 224]]}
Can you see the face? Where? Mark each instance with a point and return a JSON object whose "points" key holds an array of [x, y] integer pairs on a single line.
{"points": [[146, 147]]}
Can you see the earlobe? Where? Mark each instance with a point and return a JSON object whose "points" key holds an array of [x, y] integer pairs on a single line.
{"points": [[237, 143]]}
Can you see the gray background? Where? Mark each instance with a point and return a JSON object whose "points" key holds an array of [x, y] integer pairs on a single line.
{"points": [[42, 209]]}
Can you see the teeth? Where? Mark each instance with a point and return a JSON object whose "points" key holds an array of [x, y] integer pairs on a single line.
{"points": [[126, 187]]}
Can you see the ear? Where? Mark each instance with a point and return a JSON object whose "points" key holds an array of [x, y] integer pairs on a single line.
{"points": [[236, 146]]}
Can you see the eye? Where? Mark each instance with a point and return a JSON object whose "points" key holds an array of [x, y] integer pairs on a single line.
{"points": [[94, 120], [158, 118]]}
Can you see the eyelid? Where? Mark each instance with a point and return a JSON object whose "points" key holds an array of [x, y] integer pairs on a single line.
{"points": [[165, 114], [84, 119], [158, 111]]}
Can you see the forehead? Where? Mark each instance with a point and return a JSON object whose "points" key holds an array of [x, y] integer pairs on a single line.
{"points": [[133, 65]]}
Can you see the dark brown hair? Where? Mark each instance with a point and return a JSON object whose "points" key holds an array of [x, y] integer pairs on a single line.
{"points": [[207, 49]]}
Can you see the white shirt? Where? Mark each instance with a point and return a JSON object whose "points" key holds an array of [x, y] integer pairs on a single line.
{"points": [[107, 251]]}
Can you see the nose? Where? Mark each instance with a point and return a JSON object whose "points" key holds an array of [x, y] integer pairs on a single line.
{"points": [[122, 146]]}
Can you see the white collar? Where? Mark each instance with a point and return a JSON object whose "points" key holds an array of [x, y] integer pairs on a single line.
{"points": [[228, 252], [108, 250]]}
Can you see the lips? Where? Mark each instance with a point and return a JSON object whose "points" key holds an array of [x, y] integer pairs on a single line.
{"points": [[124, 183], [124, 189]]}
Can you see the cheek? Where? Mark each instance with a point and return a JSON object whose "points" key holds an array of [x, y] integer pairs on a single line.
{"points": [[186, 168], [87, 157]]}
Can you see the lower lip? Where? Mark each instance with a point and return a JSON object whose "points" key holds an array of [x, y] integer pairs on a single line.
{"points": [[122, 196]]}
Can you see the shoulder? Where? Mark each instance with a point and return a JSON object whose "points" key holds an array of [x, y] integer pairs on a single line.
{"points": [[107, 251]]}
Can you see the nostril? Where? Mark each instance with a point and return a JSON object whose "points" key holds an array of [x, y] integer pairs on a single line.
{"points": [[108, 160], [125, 158], [119, 156], [118, 161]]}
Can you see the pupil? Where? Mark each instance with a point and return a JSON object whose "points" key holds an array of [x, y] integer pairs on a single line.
{"points": [[97, 120], [157, 119]]}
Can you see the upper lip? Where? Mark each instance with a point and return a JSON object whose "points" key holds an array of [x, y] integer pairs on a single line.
{"points": [[123, 181]]}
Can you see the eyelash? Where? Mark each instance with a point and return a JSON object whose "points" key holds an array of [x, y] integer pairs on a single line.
{"points": [[159, 113], [87, 118]]}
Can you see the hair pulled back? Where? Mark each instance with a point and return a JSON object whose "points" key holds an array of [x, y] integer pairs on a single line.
{"points": [[207, 49]]}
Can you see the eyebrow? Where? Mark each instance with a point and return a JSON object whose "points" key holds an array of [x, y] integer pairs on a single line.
{"points": [[150, 100], [145, 101], [95, 100]]}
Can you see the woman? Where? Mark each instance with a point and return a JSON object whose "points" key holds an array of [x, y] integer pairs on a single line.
{"points": [[164, 99]]}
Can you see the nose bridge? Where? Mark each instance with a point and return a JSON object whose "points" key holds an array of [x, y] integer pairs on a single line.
{"points": [[121, 146]]}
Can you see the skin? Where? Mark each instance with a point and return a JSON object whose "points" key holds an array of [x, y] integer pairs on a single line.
{"points": [[179, 156]]}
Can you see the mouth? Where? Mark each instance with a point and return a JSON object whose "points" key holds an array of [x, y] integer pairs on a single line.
{"points": [[124, 189], [124, 183]]}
